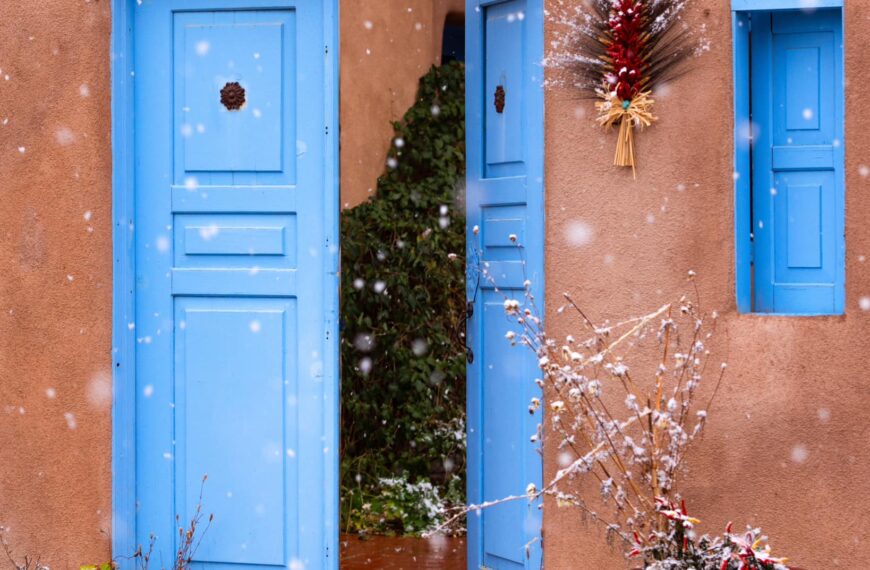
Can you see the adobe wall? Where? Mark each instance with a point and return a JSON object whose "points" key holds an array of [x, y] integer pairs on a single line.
{"points": [[386, 46], [786, 447], [56, 279]]}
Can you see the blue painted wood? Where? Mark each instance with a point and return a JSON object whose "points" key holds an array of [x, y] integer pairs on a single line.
{"points": [[798, 188], [504, 42], [123, 311], [741, 24], [805, 5], [236, 280]]}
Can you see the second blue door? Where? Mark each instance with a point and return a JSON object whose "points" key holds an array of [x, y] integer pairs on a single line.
{"points": [[235, 282], [505, 216]]}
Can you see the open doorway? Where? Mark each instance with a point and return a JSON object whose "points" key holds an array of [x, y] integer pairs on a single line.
{"points": [[403, 300]]}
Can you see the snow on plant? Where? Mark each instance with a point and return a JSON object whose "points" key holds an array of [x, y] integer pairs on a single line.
{"points": [[622, 411], [406, 507]]}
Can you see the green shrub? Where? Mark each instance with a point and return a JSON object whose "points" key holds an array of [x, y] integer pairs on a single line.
{"points": [[403, 305]]}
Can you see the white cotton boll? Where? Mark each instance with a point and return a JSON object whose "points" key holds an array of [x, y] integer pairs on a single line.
{"points": [[70, 420], [365, 366], [368, 25], [392, 163], [255, 326], [864, 170], [379, 287], [202, 47], [50, 393], [864, 303], [84, 90], [359, 284]]}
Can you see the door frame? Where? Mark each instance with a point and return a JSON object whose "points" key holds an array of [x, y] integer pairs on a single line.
{"points": [[124, 287]]}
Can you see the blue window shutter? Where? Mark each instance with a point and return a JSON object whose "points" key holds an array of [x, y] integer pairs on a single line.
{"points": [[797, 180]]}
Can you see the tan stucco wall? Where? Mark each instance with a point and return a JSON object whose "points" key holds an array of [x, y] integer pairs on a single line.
{"points": [[386, 46], [55, 279], [794, 383]]}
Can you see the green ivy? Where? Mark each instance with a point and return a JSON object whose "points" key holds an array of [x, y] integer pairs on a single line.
{"points": [[403, 304]]}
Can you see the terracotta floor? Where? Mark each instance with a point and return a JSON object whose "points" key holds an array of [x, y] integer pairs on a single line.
{"points": [[391, 553]]}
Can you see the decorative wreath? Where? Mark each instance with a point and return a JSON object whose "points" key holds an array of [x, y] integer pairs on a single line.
{"points": [[619, 51]]}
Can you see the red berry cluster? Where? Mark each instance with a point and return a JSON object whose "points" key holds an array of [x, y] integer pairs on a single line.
{"points": [[627, 19]]}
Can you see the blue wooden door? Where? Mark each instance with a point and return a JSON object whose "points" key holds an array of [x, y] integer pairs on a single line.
{"points": [[235, 281], [504, 199], [798, 211]]}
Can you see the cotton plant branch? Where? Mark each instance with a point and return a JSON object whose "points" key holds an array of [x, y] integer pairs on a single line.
{"points": [[621, 413], [27, 563]]}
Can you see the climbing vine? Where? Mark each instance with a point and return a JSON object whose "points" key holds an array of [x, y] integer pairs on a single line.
{"points": [[403, 311]]}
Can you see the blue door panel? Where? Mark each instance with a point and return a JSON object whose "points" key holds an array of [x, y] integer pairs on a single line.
{"points": [[505, 62], [250, 48], [505, 440], [505, 220], [234, 394], [233, 250], [798, 224]]}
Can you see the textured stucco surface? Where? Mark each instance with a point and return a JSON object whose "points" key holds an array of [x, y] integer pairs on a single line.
{"points": [[386, 46], [55, 280], [794, 384]]}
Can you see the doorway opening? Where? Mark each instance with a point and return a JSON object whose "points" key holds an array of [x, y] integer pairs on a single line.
{"points": [[403, 312]]}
